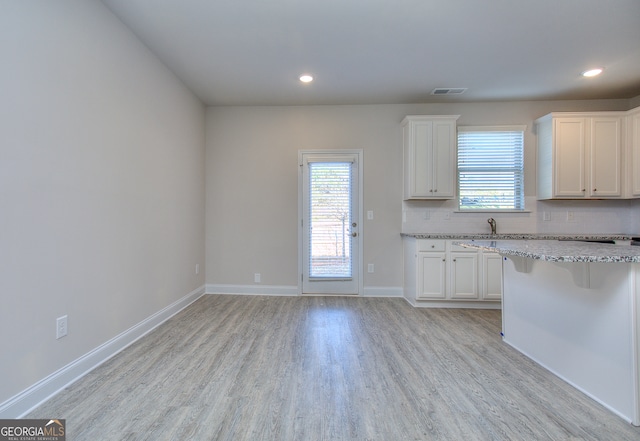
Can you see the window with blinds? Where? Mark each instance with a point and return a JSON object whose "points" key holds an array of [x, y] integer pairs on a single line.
{"points": [[330, 219], [491, 168]]}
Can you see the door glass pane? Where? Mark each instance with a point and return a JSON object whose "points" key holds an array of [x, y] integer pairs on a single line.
{"points": [[330, 220]]}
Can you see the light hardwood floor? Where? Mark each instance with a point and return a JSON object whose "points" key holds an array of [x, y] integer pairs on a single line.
{"points": [[327, 368]]}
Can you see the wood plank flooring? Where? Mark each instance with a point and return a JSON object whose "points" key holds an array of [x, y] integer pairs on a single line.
{"points": [[327, 368]]}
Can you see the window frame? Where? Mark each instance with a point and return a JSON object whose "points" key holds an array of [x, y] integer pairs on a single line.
{"points": [[520, 171]]}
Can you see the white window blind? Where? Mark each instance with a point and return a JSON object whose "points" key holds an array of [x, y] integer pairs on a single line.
{"points": [[491, 168], [330, 219]]}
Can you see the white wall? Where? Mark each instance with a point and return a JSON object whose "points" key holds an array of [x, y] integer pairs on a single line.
{"points": [[101, 185], [252, 166], [252, 185]]}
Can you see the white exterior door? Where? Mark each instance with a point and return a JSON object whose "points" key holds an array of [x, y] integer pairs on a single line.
{"points": [[330, 186]]}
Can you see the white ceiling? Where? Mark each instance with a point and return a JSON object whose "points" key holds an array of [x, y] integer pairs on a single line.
{"points": [[251, 52]]}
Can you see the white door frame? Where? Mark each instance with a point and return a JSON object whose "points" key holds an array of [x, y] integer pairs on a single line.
{"points": [[301, 229]]}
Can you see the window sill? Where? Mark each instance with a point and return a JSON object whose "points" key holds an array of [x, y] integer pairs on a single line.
{"points": [[492, 211]]}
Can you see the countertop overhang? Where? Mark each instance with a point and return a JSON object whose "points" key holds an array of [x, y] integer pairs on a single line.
{"points": [[516, 236], [559, 250]]}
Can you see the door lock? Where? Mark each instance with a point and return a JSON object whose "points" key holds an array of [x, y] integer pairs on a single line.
{"points": [[354, 234]]}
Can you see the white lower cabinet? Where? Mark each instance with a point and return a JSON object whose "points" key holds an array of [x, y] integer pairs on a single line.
{"points": [[463, 275], [432, 274], [491, 276], [437, 270]]}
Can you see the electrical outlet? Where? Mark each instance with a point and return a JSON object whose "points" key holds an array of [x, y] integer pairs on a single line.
{"points": [[370, 268], [546, 216], [370, 215], [197, 268], [426, 215], [256, 277], [61, 326]]}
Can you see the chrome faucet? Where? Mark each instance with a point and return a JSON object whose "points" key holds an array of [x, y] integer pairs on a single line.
{"points": [[492, 222]]}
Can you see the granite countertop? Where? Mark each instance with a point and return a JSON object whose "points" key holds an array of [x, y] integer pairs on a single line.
{"points": [[560, 250], [517, 236]]}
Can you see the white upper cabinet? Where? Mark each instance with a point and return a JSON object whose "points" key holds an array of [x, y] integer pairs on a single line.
{"points": [[605, 161], [580, 155], [633, 152], [429, 156]]}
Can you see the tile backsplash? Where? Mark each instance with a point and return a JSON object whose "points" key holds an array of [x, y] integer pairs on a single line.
{"points": [[596, 216]]}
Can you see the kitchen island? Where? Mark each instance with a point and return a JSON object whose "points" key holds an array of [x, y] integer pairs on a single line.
{"points": [[574, 308]]}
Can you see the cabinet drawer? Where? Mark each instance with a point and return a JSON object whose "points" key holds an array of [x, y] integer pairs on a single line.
{"points": [[430, 245]]}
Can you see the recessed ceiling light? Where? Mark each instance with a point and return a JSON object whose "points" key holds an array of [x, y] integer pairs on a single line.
{"points": [[448, 90], [306, 78], [592, 72]]}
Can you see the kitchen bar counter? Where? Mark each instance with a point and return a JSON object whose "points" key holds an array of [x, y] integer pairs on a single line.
{"points": [[574, 308], [517, 236], [559, 250]]}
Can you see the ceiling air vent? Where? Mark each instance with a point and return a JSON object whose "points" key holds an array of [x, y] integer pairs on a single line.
{"points": [[448, 90]]}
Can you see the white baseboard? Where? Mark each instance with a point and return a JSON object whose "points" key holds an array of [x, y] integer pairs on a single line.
{"points": [[30, 398], [453, 304], [383, 291], [276, 290], [253, 290]]}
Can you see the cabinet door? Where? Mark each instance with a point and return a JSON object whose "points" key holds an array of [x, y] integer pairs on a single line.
{"points": [[429, 156], [569, 157], [464, 275], [491, 276], [420, 182], [634, 140], [431, 276], [605, 157], [444, 157]]}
